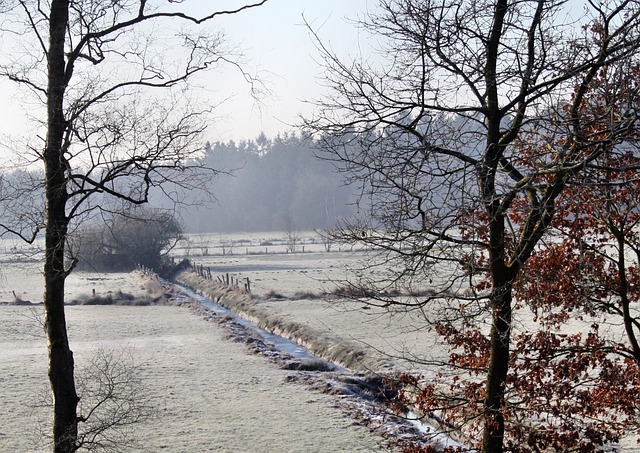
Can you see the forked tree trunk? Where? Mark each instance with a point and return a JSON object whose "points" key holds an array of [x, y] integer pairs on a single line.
{"points": [[65, 423]]}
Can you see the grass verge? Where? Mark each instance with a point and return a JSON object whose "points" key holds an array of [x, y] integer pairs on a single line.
{"points": [[344, 353]]}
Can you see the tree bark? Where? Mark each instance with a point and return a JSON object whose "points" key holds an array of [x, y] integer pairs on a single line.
{"points": [[623, 291], [61, 366], [494, 423], [493, 431]]}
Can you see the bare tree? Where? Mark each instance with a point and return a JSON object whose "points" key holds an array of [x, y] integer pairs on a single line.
{"points": [[96, 67], [112, 402], [136, 237], [435, 137], [292, 235]]}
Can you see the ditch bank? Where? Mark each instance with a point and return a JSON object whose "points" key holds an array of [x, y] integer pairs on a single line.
{"points": [[338, 368], [343, 353]]}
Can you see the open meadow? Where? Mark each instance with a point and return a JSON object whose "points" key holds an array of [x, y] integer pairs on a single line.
{"points": [[210, 392], [297, 288]]}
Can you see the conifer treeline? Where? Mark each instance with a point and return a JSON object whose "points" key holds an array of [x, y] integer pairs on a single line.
{"points": [[274, 185]]}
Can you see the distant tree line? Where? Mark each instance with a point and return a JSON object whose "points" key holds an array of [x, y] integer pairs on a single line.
{"points": [[271, 184], [262, 185]]}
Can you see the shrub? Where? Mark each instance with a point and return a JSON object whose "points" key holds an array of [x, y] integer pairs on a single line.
{"points": [[139, 237]]}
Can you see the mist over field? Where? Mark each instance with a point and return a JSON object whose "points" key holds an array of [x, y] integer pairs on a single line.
{"points": [[263, 184]]}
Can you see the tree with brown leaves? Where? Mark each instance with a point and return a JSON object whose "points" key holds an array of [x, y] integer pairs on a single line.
{"points": [[463, 137]]}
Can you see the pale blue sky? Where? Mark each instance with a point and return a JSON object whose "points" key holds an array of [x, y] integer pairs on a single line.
{"points": [[276, 45], [279, 46]]}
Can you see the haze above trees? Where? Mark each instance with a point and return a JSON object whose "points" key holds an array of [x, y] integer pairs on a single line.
{"points": [[271, 184]]}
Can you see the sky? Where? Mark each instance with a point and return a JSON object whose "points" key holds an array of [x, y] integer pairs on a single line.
{"points": [[277, 48]]}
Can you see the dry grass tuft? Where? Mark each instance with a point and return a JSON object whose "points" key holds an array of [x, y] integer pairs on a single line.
{"points": [[310, 365], [117, 298], [274, 296], [362, 293], [157, 294], [306, 295]]}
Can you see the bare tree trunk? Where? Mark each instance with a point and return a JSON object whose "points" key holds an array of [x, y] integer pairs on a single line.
{"points": [[623, 291], [83, 38], [498, 366], [65, 423], [61, 366], [500, 336], [494, 422]]}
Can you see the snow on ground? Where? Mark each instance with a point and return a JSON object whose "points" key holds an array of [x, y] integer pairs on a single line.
{"points": [[400, 339], [212, 395], [282, 282], [27, 281]]}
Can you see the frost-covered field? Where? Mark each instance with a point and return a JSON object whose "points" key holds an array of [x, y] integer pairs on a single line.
{"points": [[212, 394], [21, 272], [280, 282], [287, 284]]}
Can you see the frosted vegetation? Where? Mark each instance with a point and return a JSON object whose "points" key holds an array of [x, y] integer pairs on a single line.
{"points": [[301, 286], [176, 354]]}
